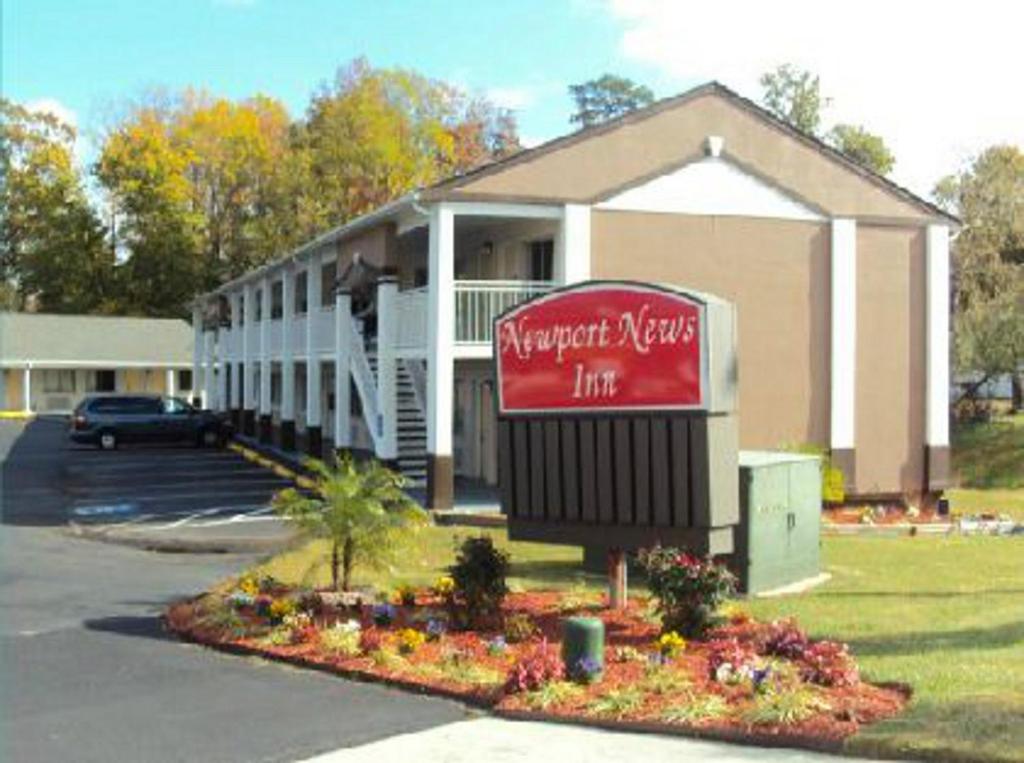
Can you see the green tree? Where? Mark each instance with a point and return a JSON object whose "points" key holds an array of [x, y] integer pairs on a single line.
{"points": [[201, 194], [53, 255], [360, 509], [375, 134], [607, 97], [794, 95], [863, 147], [989, 263]]}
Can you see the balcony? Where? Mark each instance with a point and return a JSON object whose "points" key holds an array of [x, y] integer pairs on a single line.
{"points": [[478, 303]]}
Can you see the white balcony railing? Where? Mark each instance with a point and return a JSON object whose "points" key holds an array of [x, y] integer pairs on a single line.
{"points": [[411, 320], [478, 303]]}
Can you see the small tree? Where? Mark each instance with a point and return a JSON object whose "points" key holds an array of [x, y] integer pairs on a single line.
{"points": [[607, 97], [361, 509]]}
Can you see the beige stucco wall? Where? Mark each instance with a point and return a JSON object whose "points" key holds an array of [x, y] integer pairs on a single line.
{"points": [[890, 407], [777, 274], [144, 380], [592, 168], [13, 399], [376, 245]]}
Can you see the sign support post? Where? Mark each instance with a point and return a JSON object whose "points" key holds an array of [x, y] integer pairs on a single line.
{"points": [[617, 578]]}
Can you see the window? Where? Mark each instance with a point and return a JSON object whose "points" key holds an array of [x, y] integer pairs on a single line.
{"points": [[176, 406], [185, 378], [301, 287], [258, 299], [276, 300], [328, 274], [240, 318], [58, 380], [106, 381], [542, 260]]}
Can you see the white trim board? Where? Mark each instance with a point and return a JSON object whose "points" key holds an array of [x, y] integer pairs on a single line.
{"points": [[711, 186]]}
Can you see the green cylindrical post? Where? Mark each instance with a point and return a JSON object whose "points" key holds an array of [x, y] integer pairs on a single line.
{"points": [[583, 640]]}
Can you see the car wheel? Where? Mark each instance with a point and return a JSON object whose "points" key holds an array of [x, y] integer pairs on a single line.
{"points": [[108, 441], [209, 438]]}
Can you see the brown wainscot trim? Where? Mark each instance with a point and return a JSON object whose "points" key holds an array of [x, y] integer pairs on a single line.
{"points": [[937, 467]]}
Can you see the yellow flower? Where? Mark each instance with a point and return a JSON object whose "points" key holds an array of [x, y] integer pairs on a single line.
{"points": [[281, 608], [444, 586], [248, 584], [671, 644], [410, 639]]}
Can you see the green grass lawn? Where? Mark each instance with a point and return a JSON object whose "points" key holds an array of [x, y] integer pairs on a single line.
{"points": [[944, 615], [988, 463]]}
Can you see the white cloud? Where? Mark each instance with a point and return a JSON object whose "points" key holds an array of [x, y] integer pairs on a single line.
{"points": [[514, 98], [54, 107], [936, 81]]}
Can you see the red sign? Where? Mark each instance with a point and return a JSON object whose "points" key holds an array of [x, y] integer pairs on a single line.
{"points": [[599, 347]]}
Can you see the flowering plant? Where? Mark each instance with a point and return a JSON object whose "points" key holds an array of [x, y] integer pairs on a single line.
{"points": [[670, 645], [249, 584], [383, 614], [542, 665], [828, 663], [301, 626], [497, 646], [627, 654], [410, 639], [444, 586], [729, 660], [342, 638], [239, 599], [587, 670], [405, 594], [435, 629], [371, 641], [281, 608], [689, 590]]}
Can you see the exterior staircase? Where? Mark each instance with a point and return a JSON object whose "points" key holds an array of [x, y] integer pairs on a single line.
{"points": [[412, 423]]}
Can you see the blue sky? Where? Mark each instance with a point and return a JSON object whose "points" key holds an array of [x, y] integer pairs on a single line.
{"points": [[936, 81], [86, 54]]}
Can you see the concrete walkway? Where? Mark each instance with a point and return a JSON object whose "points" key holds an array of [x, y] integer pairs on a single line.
{"points": [[500, 741]]}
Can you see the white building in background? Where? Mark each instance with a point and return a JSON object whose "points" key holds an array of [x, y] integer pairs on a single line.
{"points": [[49, 362]]}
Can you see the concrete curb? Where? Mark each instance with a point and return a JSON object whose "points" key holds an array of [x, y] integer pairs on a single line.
{"points": [[16, 415], [892, 530], [171, 544]]}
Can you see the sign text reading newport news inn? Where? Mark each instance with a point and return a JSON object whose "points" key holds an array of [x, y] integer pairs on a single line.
{"points": [[601, 346]]}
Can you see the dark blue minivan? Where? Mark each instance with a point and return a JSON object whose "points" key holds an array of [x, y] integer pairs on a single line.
{"points": [[109, 420]]}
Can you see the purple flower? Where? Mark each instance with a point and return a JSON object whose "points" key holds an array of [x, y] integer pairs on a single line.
{"points": [[383, 614], [435, 629]]}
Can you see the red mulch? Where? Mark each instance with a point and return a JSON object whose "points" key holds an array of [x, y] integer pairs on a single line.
{"points": [[849, 707], [890, 515]]}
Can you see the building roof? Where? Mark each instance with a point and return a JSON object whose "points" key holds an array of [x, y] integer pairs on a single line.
{"points": [[456, 183], [93, 340], [467, 185]]}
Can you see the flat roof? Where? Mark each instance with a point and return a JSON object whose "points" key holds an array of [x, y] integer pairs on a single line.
{"points": [[94, 340]]}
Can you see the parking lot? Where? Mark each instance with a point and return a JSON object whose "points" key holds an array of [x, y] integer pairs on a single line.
{"points": [[49, 481]]}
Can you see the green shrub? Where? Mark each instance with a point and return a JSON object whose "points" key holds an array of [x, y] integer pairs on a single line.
{"points": [[553, 693], [617, 702], [479, 573], [785, 707], [833, 481], [696, 709]]}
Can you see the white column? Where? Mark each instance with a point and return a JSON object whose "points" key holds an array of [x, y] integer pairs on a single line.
{"points": [[222, 362], [387, 384], [3, 388], [572, 245], [314, 307], [208, 370], [440, 330], [342, 369], [171, 391], [844, 333], [197, 350], [937, 351], [287, 350], [248, 356], [265, 408], [26, 388], [234, 357]]}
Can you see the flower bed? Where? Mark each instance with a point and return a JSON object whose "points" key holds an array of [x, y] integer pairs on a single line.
{"points": [[743, 680]]}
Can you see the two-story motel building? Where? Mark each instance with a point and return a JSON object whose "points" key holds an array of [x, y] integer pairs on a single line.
{"points": [[840, 277]]}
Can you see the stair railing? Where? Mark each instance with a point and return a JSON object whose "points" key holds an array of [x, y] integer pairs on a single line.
{"points": [[366, 387]]}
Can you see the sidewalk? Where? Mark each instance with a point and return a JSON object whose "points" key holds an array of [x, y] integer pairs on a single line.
{"points": [[500, 741]]}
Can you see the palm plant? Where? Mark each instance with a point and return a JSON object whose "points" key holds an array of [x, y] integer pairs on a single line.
{"points": [[360, 508]]}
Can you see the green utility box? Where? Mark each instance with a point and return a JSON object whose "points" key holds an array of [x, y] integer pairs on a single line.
{"points": [[778, 538]]}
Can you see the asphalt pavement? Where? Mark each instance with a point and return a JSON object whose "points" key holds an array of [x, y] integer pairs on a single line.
{"points": [[88, 673]]}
